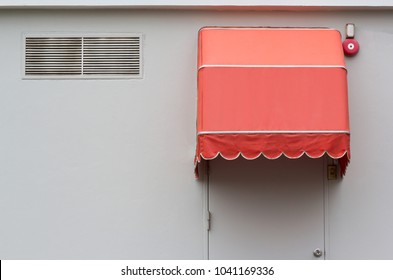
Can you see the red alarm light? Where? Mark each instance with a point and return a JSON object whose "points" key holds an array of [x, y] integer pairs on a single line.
{"points": [[351, 47]]}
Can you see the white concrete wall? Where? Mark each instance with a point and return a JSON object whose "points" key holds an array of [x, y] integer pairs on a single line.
{"points": [[99, 168], [103, 169]]}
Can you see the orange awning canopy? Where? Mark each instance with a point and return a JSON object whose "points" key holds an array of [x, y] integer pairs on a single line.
{"points": [[272, 92]]}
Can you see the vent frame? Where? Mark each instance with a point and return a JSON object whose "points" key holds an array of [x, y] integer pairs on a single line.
{"points": [[138, 52]]}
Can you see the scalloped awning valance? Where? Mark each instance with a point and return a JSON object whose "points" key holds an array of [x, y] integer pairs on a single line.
{"points": [[272, 92]]}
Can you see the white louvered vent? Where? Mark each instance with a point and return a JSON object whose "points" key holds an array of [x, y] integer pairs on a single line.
{"points": [[111, 56], [83, 57], [53, 56]]}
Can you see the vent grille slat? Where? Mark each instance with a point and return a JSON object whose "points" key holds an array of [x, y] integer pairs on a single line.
{"points": [[83, 56]]}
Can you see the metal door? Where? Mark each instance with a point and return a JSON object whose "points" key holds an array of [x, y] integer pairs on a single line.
{"points": [[266, 209]]}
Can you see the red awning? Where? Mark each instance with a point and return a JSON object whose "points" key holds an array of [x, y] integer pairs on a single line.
{"points": [[272, 92]]}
